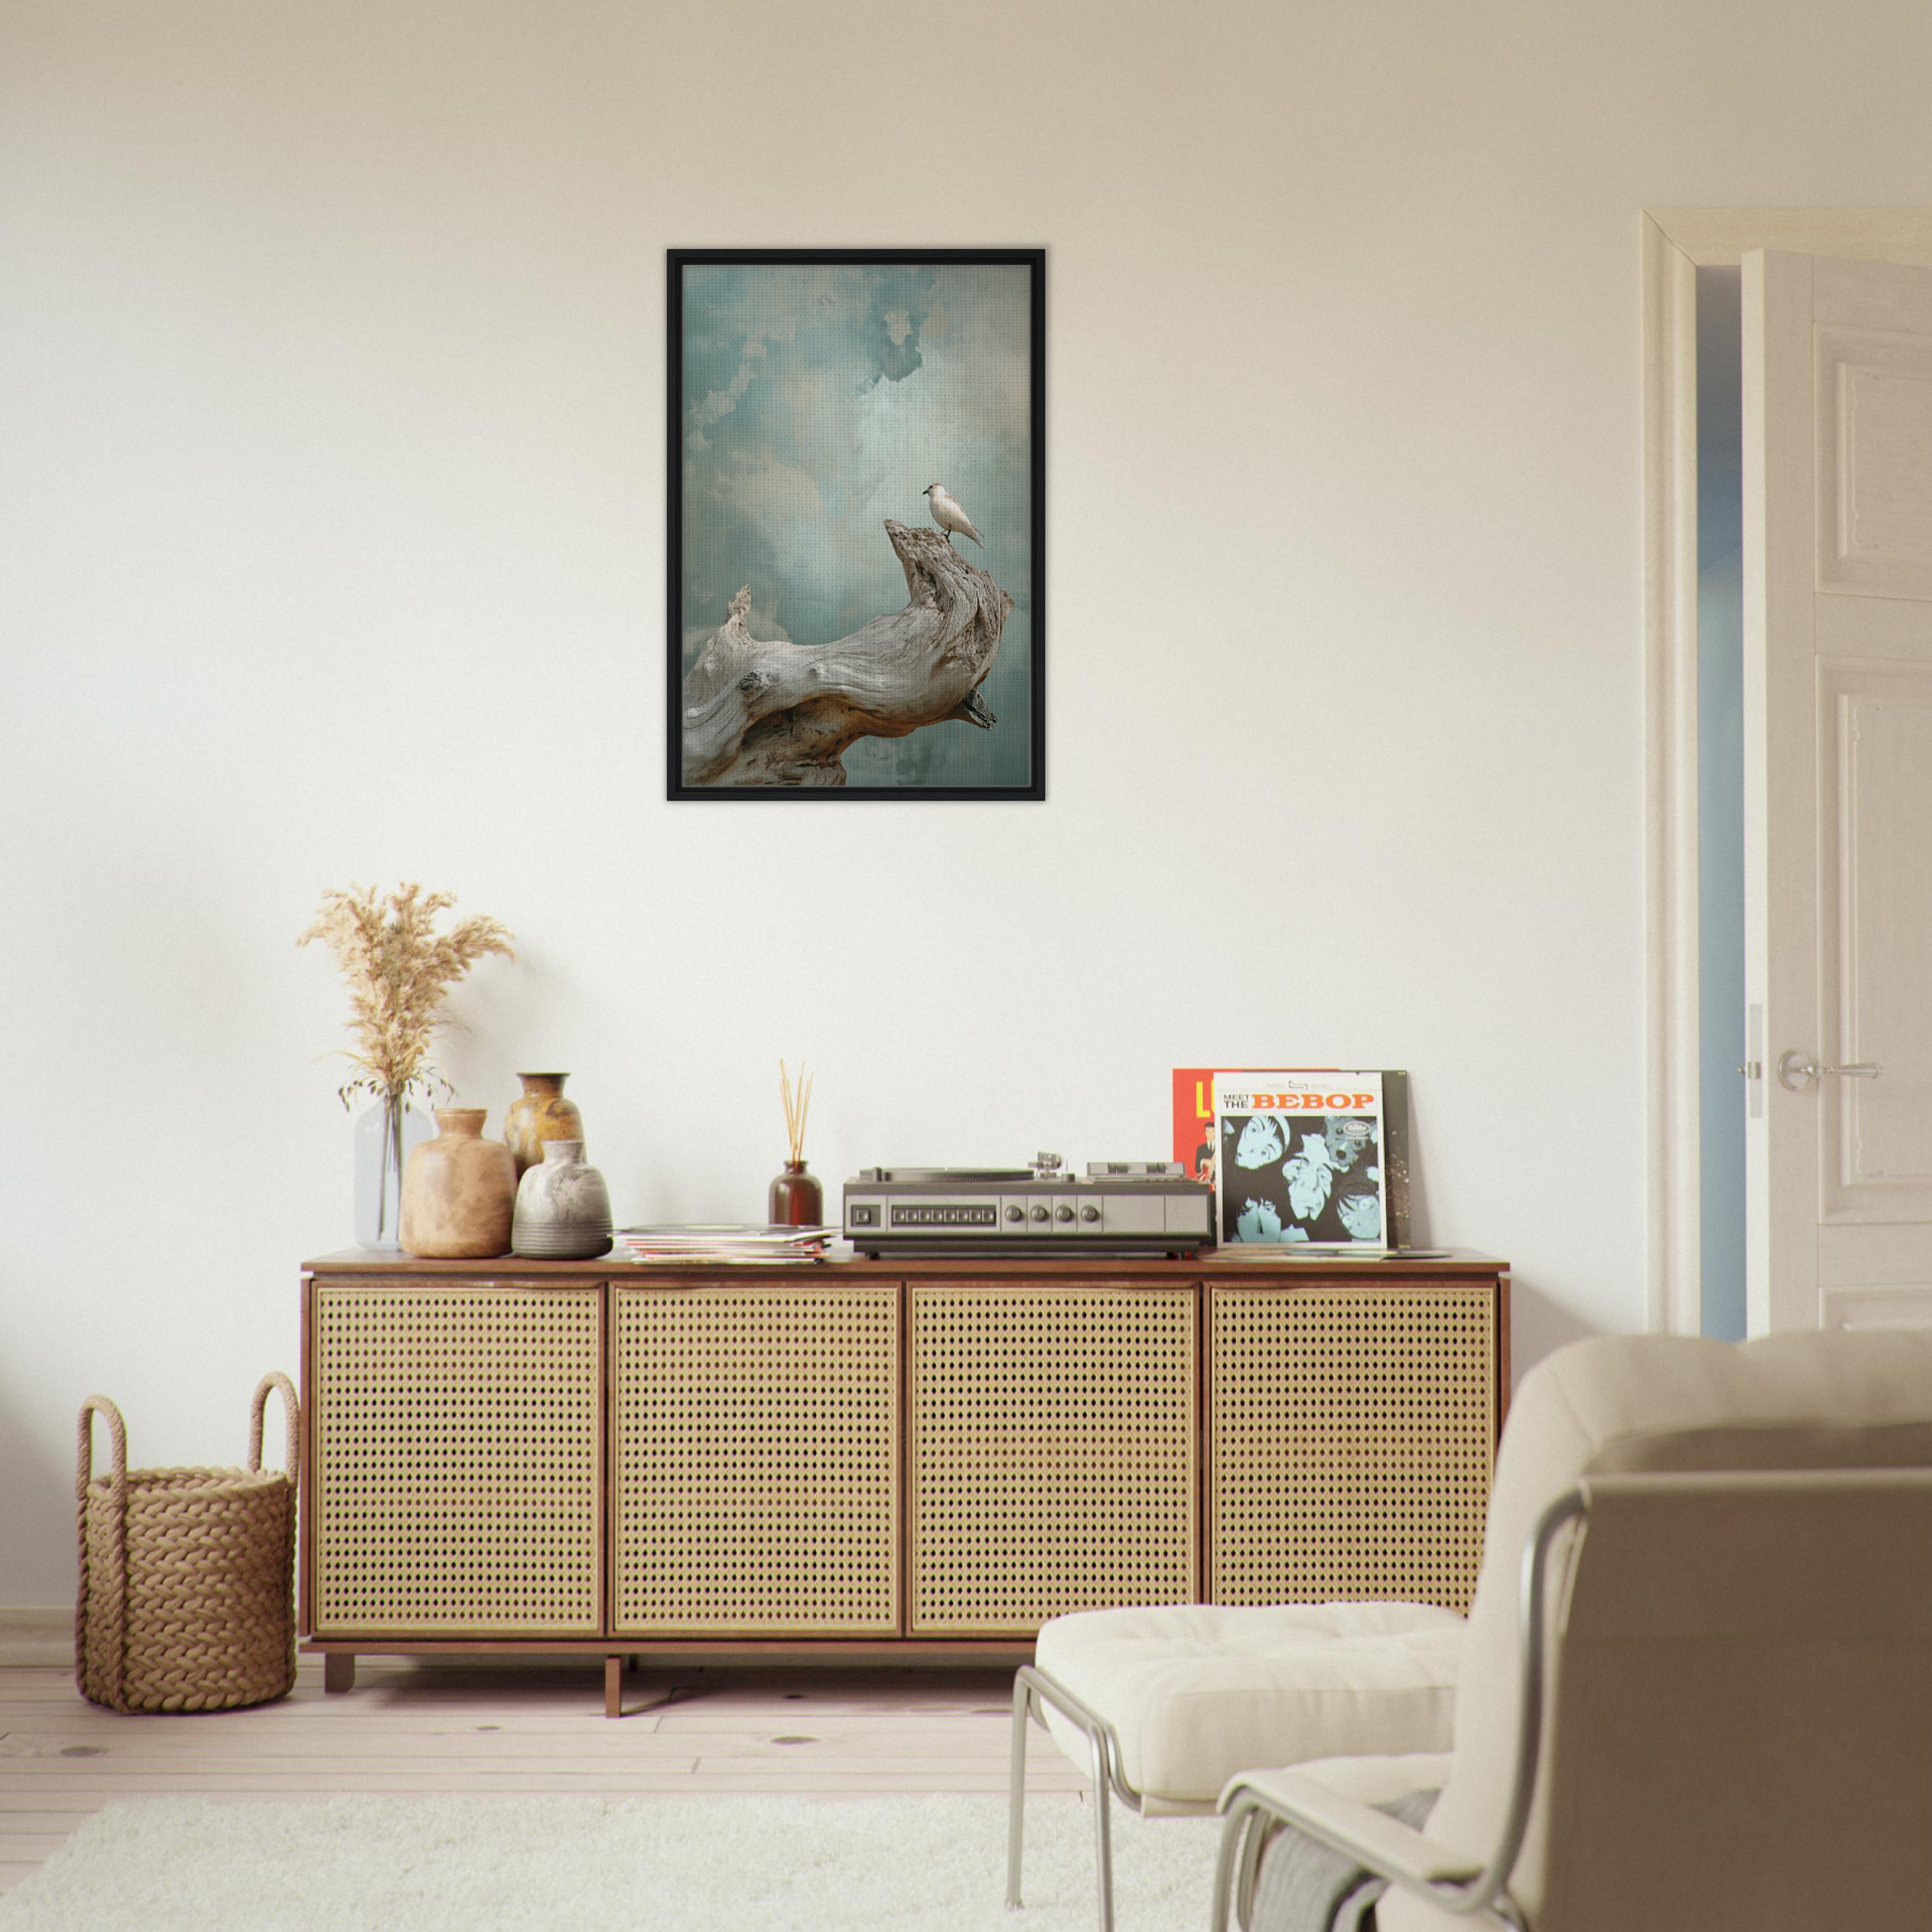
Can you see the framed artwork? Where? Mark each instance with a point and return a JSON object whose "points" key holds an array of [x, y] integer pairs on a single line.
{"points": [[857, 553]]}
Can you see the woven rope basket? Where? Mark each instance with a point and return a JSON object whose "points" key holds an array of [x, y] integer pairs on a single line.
{"points": [[186, 1576]]}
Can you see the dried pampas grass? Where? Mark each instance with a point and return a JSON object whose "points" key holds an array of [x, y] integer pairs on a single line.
{"points": [[398, 969]]}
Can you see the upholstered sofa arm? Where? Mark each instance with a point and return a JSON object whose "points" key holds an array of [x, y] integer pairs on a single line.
{"points": [[1372, 1780], [1345, 1819], [1383, 1844]]}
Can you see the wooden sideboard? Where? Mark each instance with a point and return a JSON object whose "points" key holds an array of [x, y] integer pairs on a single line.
{"points": [[879, 1459]]}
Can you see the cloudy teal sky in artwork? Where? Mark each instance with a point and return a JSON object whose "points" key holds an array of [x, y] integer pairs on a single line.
{"points": [[817, 404]]}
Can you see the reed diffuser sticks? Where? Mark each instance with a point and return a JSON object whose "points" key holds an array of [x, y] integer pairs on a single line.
{"points": [[795, 1199], [799, 1103]]}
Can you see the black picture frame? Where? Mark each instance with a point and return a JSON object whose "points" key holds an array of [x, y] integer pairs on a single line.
{"points": [[686, 525]]}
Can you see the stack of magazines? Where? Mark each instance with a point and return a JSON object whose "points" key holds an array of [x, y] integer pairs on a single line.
{"points": [[699, 1241]]}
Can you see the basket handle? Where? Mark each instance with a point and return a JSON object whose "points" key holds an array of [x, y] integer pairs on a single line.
{"points": [[117, 1433], [291, 1409], [112, 1637]]}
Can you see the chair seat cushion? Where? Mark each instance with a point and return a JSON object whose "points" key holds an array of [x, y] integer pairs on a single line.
{"points": [[1197, 1692]]}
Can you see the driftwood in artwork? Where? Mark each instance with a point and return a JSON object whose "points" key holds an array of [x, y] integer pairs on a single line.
{"points": [[783, 714]]}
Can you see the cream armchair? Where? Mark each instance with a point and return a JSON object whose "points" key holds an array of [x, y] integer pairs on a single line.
{"points": [[1696, 1692], [1162, 1705]]}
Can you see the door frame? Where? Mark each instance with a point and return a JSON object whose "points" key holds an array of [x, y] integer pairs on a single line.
{"points": [[1676, 242]]}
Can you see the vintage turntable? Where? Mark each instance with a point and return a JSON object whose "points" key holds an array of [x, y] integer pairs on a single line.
{"points": [[1125, 1207]]}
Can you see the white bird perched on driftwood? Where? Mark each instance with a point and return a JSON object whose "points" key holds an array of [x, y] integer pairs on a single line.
{"points": [[948, 515]]}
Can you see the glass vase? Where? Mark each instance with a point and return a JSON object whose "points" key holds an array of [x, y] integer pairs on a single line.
{"points": [[384, 1135]]}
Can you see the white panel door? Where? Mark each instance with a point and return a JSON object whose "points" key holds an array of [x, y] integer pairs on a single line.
{"points": [[1838, 776]]}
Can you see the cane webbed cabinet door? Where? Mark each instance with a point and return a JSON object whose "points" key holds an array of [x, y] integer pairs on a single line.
{"points": [[1052, 1440], [457, 1446], [1351, 1437], [755, 1430]]}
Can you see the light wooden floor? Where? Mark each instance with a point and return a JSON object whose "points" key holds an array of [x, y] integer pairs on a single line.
{"points": [[509, 1728]]}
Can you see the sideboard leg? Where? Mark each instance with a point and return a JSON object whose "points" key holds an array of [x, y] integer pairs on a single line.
{"points": [[614, 1687], [338, 1670]]}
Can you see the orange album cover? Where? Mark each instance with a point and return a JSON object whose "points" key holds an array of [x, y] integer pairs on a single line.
{"points": [[1193, 1113], [1195, 1131]]}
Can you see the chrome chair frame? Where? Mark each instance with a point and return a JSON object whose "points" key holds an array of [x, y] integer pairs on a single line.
{"points": [[1253, 1816], [1032, 1689]]}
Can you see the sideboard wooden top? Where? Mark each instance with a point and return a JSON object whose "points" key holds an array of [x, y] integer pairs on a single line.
{"points": [[1217, 1264]]}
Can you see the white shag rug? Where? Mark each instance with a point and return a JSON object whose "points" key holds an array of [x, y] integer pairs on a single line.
{"points": [[756, 1863]]}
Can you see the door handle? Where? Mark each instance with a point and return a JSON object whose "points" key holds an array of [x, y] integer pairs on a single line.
{"points": [[1797, 1070]]}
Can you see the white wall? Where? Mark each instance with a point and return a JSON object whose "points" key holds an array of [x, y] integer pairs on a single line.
{"points": [[330, 451]]}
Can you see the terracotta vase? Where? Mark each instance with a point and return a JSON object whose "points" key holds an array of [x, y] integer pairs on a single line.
{"points": [[563, 1208], [540, 1114], [795, 1199], [459, 1190]]}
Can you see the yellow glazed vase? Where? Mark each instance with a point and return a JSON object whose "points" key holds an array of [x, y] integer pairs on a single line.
{"points": [[459, 1190], [540, 1114]]}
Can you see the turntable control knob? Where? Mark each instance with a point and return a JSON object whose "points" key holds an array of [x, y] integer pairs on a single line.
{"points": [[1063, 1213], [1089, 1213], [1015, 1212], [1040, 1214]]}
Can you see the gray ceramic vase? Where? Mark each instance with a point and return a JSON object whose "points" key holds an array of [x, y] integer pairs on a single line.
{"points": [[563, 1208]]}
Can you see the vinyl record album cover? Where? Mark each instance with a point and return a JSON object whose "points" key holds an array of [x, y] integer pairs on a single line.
{"points": [[1322, 1161]]}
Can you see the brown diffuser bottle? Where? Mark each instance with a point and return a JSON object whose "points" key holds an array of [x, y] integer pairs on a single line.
{"points": [[795, 1200]]}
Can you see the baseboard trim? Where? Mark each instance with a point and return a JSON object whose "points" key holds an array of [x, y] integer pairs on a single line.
{"points": [[39, 1635]]}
